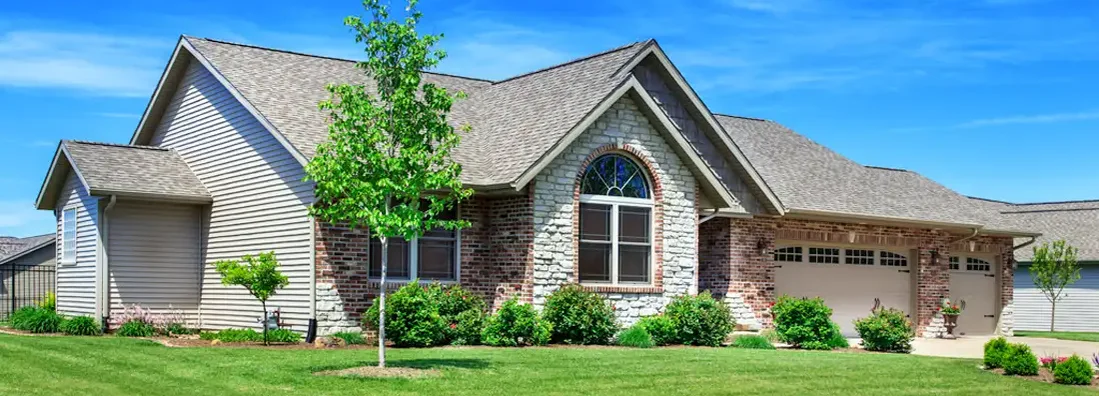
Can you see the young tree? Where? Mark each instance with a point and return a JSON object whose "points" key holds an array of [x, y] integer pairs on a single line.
{"points": [[1053, 268], [386, 166], [259, 275]]}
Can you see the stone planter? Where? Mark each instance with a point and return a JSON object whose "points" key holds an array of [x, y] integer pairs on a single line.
{"points": [[950, 322]]}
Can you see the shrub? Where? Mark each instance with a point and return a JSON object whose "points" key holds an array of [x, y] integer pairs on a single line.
{"points": [[579, 317], [238, 335], [636, 336], [208, 335], [1019, 360], [179, 329], [804, 322], [1073, 371], [411, 317], [162, 322], [886, 330], [995, 349], [35, 320], [699, 320], [836, 339], [752, 342], [350, 338], [48, 302], [81, 326], [136, 328], [660, 327], [516, 325], [462, 311], [283, 335]]}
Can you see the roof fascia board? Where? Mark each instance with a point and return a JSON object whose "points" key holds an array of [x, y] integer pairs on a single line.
{"points": [[27, 251], [709, 119], [793, 212], [51, 174], [153, 197], [671, 131], [195, 54], [156, 97], [39, 202]]}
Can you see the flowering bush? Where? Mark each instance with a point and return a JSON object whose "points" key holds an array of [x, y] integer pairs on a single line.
{"points": [[161, 322], [463, 312], [1051, 362], [948, 308]]}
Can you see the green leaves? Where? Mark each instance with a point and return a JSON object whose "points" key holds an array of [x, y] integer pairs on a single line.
{"points": [[1054, 267], [258, 274], [389, 145]]}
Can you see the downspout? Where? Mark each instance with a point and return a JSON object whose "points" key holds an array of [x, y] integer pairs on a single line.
{"points": [[311, 330], [709, 217], [104, 280], [974, 235]]}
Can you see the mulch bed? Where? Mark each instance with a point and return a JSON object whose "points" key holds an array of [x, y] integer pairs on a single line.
{"points": [[1044, 375], [377, 372]]}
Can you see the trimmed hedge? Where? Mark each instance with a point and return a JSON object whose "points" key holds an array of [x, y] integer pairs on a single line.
{"points": [[886, 330], [995, 349], [806, 323], [1019, 360], [660, 328], [1074, 371], [579, 317], [411, 317], [516, 324], [699, 320]]}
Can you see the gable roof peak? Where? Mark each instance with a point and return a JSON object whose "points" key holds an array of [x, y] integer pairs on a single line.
{"points": [[637, 44]]}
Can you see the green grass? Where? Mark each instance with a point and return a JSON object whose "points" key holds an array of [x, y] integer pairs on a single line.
{"points": [[1060, 335], [121, 366]]}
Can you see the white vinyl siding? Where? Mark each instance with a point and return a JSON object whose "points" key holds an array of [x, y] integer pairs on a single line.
{"points": [[154, 257], [1077, 311], [76, 292], [260, 201]]}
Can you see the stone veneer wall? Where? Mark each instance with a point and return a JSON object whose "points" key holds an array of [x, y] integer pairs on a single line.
{"points": [[737, 263], [496, 261], [623, 128]]}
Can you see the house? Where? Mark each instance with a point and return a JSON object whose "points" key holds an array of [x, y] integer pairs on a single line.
{"points": [[607, 170], [1076, 222], [26, 270]]}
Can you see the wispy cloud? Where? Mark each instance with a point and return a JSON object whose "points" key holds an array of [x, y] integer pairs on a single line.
{"points": [[19, 218], [1052, 118], [91, 63]]}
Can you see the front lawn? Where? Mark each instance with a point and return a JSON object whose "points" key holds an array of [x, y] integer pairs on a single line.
{"points": [[1060, 335], [118, 366]]}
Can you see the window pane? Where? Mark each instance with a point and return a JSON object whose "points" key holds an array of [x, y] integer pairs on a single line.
{"points": [[859, 256], [824, 255], [788, 254], [633, 263], [633, 224], [436, 260], [893, 259], [595, 262], [68, 234], [595, 222], [954, 262], [398, 258]]}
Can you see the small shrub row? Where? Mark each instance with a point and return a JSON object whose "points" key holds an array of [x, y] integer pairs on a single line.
{"points": [[250, 335], [162, 322], [416, 316], [516, 324], [1017, 359], [687, 320]]}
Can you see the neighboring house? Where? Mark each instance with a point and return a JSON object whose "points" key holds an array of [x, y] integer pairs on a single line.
{"points": [[26, 270], [1077, 223], [607, 170]]}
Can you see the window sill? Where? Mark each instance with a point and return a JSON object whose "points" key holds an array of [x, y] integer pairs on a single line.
{"points": [[397, 283], [640, 289]]}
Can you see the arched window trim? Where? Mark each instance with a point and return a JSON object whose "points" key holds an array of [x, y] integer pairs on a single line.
{"points": [[615, 204]]}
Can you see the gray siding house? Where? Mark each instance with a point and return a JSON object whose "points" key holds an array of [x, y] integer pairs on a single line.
{"points": [[739, 207], [26, 266]]}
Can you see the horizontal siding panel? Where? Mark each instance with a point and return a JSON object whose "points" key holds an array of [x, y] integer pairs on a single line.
{"points": [[260, 201], [75, 282], [1077, 311]]}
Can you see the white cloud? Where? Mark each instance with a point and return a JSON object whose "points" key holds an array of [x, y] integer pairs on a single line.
{"points": [[91, 63], [20, 218], [1031, 119]]}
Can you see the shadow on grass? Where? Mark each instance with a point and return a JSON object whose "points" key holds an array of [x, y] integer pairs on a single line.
{"points": [[424, 364]]}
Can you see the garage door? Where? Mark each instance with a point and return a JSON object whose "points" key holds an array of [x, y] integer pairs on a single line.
{"points": [[973, 286], [850, 280]]}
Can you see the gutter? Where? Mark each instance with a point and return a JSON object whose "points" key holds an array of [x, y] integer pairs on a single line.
{"points": [[1024, 244], [709, 217], [892, 219]]}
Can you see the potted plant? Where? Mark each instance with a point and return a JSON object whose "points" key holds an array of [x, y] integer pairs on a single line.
{"points": [[950, 313]]}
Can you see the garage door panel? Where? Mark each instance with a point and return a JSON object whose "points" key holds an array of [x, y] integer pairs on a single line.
{"points": [[977, 293], [850, 290]]}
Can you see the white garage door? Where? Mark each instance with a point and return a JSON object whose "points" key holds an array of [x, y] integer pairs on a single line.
{"points": [[850, 280], [973, 286]]}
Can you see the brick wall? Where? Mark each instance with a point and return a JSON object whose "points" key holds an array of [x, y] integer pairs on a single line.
{"points": [[496, 261], [737, 262]]}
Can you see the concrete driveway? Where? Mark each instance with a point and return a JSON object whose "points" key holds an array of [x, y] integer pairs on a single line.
{"points": [[973, 347]]}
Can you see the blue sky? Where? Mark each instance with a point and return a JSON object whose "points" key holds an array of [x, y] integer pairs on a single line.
{"points": [[994, 98]]}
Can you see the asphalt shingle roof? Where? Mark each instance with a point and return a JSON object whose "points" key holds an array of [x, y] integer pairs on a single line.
{"points": [[1075, 222], [806, 175], [514, 121], [14, 247], [137, 170]]}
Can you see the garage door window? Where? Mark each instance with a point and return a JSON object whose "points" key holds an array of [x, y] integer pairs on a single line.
{"points": [[971, 264], [616, 220], [824, 255], [833, 255], [859, 256], [954, 263], [891, 259], [788, 254]]}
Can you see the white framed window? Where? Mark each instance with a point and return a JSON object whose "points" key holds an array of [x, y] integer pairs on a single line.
{"points": [[68, 236], [859, 256], [435, 256], [974, 264], [616, 223], [790, 254], [891, 259], [824, 255]]}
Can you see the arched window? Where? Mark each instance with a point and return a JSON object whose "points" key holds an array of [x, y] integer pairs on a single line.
{"points": [[616, 222]]}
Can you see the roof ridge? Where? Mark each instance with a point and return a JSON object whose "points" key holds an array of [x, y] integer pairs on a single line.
{"points": [[1049, 210], [741, 117], [1058, 202], [989, 200], [888, 168], [117, 145], [567, 63], [259, 47]]}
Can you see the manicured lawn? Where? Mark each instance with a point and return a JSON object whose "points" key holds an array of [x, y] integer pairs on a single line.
{"points": [[1060, 335], [115, 366]]}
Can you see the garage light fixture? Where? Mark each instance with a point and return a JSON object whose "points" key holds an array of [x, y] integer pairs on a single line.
{"points": [[761, 246], [851, 237]]}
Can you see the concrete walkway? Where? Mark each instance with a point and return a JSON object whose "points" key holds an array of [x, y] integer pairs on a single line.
{"points": [[973, 347]]}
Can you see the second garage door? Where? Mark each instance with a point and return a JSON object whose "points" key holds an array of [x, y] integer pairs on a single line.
{"points": [[850, 280]]}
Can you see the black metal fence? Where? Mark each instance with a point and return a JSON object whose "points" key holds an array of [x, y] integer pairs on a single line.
{"points": [[22, 285]]}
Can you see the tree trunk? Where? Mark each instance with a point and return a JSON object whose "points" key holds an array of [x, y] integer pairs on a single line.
{"points": [[1052, 315], [381, 302], [264, 303]]}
